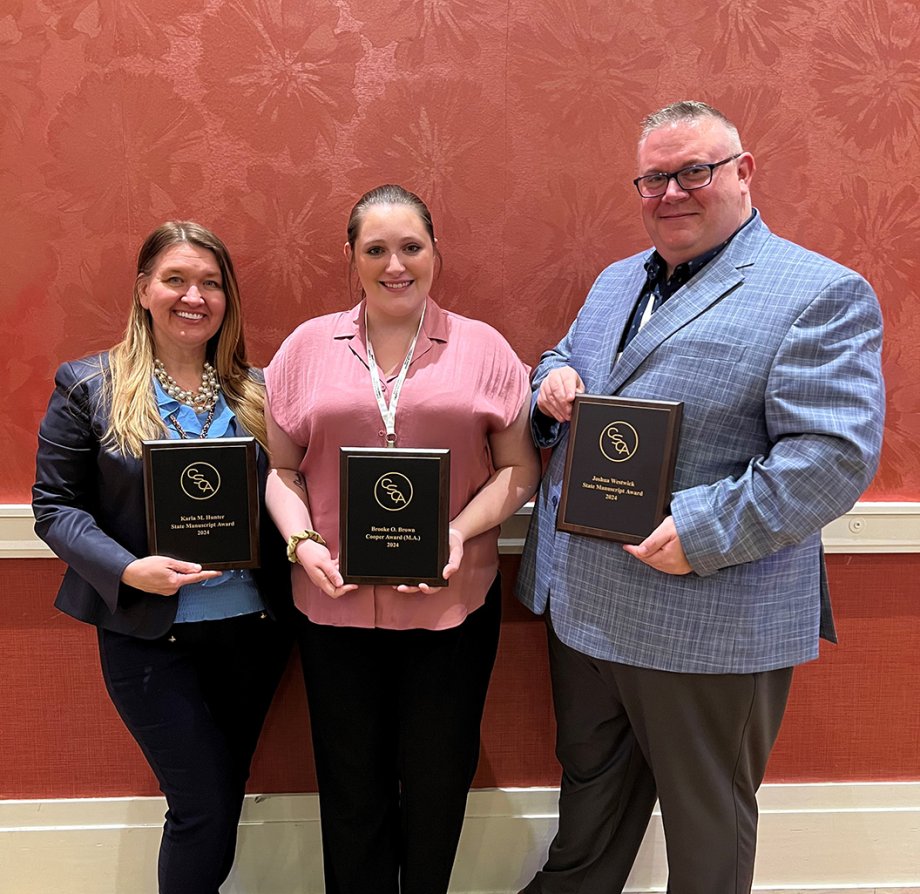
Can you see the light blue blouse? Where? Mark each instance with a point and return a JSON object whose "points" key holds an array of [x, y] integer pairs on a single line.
{"points": [[234, 592]]}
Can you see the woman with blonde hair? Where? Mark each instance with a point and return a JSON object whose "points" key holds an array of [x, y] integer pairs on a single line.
{"points": [[190, 658]]}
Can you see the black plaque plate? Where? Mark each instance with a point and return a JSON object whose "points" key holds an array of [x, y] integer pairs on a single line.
{"points": [[619, 466], [202, 501], [393, 515]]}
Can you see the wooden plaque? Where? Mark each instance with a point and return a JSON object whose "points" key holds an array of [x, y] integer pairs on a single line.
{"points": [[203, 501], [619, 466], [393, 515]]}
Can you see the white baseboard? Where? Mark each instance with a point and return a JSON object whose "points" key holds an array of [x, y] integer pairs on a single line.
{"points": [[860, 836], [866, 528]]}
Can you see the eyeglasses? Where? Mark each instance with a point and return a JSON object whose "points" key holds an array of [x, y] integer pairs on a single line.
{"points": [[692, 177]]}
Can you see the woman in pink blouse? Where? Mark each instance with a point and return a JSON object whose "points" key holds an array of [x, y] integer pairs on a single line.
{"points": [[396, 677]]}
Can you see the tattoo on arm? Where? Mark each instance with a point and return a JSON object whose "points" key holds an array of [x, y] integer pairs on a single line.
{"points": [[300, 482]]}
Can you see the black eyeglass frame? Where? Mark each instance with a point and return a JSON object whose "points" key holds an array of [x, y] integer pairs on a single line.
{"points": [[676, 176]]}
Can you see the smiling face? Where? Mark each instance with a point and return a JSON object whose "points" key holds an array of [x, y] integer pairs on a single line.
{"points": [[395, 260], [682, 224], [184, 294]]}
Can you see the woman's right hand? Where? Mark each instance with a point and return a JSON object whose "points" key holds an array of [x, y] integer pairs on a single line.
{"points": [[322, 569], [163, 575]]}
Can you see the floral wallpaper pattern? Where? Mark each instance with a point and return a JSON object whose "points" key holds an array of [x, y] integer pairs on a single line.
{"points": [[516, 121]]}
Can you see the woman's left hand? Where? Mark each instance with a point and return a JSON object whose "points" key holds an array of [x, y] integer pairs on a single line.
{"points": [[455, 557]]}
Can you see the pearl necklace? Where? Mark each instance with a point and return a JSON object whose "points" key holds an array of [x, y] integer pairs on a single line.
{"points": [[203, 399]]}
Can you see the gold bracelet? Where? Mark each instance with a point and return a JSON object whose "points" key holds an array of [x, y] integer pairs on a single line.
{"points": [[297, 538]]}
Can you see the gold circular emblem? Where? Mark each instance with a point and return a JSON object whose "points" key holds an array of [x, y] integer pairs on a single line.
{"points": [[619, 442], [393, 491], [200, 481]]}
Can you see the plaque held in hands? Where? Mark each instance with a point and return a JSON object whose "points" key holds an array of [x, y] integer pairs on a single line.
{"points": [[203, 501], [619, 466], [393, 515]]}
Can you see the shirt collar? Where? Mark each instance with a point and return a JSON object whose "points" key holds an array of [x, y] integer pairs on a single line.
{"points": [[434, 328], [656, 268], [165, 403], [188, 419]]}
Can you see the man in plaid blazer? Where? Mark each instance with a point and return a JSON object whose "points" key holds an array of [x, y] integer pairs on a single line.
{"points": [[671, 661]]}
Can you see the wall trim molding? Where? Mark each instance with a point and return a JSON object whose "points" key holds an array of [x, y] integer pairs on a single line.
{"points": [[17, 539], [861, 836], [867, 528]]}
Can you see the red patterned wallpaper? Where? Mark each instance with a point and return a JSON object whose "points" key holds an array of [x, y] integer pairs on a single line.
{"points": [[852, 715], [516, 121]]}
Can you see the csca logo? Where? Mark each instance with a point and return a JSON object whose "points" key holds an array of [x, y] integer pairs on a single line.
{"points": [[619, 442], [393, 491], [200, 481]]}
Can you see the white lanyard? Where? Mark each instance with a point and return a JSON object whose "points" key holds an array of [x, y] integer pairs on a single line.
{"points": [[388, 413]]}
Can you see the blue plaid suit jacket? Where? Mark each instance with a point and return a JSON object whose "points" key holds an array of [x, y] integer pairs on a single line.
{"points": [[775, 352]]}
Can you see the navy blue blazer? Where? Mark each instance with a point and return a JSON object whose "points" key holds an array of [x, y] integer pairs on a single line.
{"points": [[89, 508]]}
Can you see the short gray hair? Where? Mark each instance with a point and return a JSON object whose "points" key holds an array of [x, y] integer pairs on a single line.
{"points": [[688, 111]]}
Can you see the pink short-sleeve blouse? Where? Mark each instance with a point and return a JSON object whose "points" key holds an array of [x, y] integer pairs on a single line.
{"points": [[464, 384]]}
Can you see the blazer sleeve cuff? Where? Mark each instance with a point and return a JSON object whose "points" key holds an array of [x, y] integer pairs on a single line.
{"points": [[546, 431], [692, 516]]}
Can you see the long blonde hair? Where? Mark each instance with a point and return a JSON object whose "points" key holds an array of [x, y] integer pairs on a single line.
{"points": [[133, 415]]}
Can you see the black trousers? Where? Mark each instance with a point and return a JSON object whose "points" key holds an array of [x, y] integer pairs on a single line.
{"points": [[395, 716], [699, 743], [195, 701]]}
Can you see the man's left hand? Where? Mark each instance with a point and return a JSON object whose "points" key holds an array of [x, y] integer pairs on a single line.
{"points": [[662, 550]]}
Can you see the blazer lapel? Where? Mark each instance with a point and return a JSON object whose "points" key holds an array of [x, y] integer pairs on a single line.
{"points": [[621, 299], [724, 274]]}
